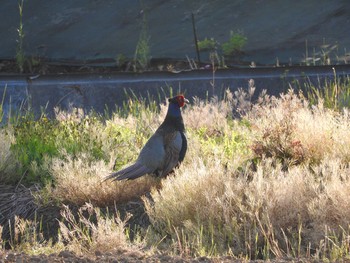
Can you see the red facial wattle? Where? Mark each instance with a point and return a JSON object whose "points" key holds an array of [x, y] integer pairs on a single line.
{"points": [[181, 100]]}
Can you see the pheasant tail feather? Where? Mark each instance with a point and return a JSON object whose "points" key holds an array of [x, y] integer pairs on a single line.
{"points": [[131, 172]]}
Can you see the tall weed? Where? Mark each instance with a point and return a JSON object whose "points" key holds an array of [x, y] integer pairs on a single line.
{"points": [[332, 93], [9, 165]]}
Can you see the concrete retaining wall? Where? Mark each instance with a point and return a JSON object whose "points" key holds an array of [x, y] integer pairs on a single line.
{"points": [[101, 91]]}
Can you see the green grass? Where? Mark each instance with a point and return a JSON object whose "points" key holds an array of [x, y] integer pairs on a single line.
{"points": [[271, 184], [20, 56], [207, 44], [218, 52], [334, 94]]}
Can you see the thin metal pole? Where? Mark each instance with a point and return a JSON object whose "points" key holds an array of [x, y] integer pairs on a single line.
{"points": [[195, 38]]}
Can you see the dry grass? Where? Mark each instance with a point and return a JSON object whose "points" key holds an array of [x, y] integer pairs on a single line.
{"points": [[292, 132], [80, 180], [243, 212], [16, 201], [93, 231], [282, 205], [8, 162], [272, 184], [85, 232], [27, 237], [211, 116]]}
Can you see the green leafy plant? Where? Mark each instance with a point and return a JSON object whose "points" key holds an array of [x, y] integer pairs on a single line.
{"points": [[121, 59], [142, 52], [234, 45], [80, 136], [34, 140], [42, 139], [20, 56], [207, 44], [218, 52], [142, 55]]}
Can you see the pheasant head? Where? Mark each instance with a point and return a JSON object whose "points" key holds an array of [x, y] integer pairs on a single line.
{"points": [[175, 104]]}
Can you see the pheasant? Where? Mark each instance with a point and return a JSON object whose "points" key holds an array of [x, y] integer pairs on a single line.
{"points": [[164, 151]]}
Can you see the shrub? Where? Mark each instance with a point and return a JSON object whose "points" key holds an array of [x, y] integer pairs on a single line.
{"points": [[207, 44], [289, 131], [234, 45]]}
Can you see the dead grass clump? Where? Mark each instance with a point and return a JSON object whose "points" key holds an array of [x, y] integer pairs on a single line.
{"points": [[311, 207], [8, 162], [324, 133], [16, 201], [80, 180], [274, 126], [86, 232], [91, 231], [332, 206], [262, 213], [292, 132], [290, 193], [204, 205]]}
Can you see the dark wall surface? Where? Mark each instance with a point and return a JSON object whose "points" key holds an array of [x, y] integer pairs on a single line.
{"points": [[95, 29]]}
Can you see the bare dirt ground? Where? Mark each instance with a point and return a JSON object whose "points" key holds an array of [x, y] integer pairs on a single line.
{"points": [[67, 256]]}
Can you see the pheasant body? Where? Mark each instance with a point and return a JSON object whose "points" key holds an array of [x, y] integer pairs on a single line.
{"points": [[164, 150]]}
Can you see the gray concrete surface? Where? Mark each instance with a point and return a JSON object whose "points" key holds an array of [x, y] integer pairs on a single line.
{"points": [[102, 92], [95, 29]]}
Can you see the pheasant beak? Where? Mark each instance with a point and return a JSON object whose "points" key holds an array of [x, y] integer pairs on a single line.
{"points": [[186, 102]]}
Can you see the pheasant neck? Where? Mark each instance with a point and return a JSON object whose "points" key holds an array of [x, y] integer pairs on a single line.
{"points": [[174, 110], [173, 119]]}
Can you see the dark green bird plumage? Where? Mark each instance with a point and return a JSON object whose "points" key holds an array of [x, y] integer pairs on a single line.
{"points": [[164, 151]]}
